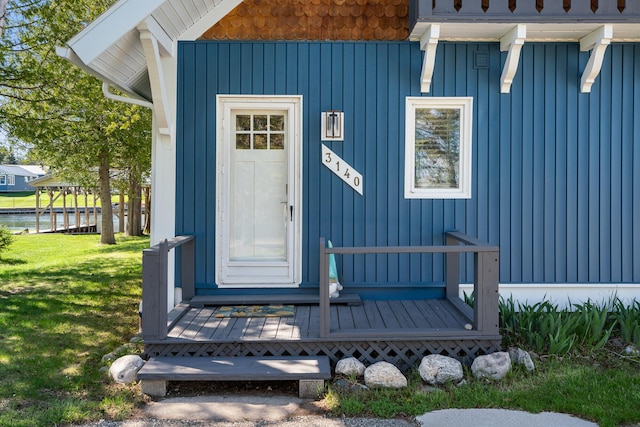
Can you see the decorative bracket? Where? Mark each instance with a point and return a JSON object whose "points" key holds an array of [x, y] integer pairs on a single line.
{"points": [[597, 41], [512, 42], [428, 43], [152, 42]]}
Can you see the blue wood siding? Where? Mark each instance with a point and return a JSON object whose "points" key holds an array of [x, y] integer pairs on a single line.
{"points": [[556, 173], [20, 184]]}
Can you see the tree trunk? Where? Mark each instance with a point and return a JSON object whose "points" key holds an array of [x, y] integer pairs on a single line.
{"points": [[107, 236], [147, 210], [134, 220]]}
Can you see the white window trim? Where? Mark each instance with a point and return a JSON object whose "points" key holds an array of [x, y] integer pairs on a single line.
{"points": [[11, 180], [3, 180], [465, 104], [226, 103]]}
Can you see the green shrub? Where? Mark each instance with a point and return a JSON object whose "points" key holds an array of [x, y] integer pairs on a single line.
{"points": [[6, 239]]}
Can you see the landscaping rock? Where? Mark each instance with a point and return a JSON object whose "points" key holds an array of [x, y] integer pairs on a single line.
{"points": [[438, 369], [350, 366], [384, 375], [493, 366], [109, 357], [520, 357], [125, 369], [631, 350]]}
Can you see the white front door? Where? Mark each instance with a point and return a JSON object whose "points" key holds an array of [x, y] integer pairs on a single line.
{"points": [[258, 185]]}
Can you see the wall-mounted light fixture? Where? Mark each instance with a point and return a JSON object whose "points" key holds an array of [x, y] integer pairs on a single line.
{"points": [[332, 126]]}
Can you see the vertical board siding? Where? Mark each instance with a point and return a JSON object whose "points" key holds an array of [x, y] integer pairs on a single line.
{"points": [[556, 173]]}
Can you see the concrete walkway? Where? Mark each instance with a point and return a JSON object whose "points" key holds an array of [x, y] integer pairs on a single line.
{"points": [[286, 411], [499, 418]]}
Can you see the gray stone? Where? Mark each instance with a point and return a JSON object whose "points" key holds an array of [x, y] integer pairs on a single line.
{"points": [[520, 357], [350, 366], [310, 389], [493, 366], [154, 388], [384, 375], [125, 369], [438, 369], [108, 357]]}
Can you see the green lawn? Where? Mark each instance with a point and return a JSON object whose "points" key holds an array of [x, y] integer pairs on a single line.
{"points": [[65, 301], [601, 387], [28, 200]]}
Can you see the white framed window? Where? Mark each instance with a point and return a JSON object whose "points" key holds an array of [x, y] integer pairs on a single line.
{"points": [[438, 148], [11, 180], [3, 180]]}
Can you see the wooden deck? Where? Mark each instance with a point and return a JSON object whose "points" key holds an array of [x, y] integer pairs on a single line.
{"points": [[403, 332], [202, 325], [379, 329]]}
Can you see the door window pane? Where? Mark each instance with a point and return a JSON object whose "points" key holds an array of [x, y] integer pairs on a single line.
{"points": [[243, 122], [277, 122], [260, 141], [277, 141], [243, 141], [260, 123]]}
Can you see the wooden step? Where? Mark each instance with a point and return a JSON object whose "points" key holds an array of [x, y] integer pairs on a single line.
{"points": [[310, 371], [200, 301]]}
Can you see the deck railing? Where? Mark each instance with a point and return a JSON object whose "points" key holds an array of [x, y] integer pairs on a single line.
{"points": [[155, 292], [485, 288], [525, 10]]}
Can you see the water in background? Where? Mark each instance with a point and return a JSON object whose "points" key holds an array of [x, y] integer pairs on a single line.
{"points": [[20, 222]]}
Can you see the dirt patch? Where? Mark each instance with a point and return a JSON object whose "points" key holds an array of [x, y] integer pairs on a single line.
{"points": [[246, 388]]}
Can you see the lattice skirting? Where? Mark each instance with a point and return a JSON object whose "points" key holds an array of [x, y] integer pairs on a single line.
{"points": [[404, 354]]}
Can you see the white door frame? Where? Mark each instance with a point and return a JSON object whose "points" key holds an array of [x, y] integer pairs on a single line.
{"points": [[225, 105]]}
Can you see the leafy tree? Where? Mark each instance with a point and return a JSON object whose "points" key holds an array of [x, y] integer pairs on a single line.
{"points": [[58, 110]]}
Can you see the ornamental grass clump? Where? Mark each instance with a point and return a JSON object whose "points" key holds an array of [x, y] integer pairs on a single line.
{"points": [[545, 327]]}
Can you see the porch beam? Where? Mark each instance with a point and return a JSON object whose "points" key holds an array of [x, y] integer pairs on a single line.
{"points": [[597, 42], [485, 291], [157, 80], [154, 292], [511, 42], [428, 43], [164, 40], [325, 320]]}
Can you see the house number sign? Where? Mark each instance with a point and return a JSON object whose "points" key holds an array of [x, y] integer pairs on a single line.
{"points": [[342, 169]]}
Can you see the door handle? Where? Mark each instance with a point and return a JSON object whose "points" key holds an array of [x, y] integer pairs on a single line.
{"points": [[291, 212]]}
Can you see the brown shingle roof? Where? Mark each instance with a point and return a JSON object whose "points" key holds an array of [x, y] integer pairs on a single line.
{"points": [[314, 20]]}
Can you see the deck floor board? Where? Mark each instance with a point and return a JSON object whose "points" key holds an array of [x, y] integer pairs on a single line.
{"points": [[202, 325], [420, 319]]}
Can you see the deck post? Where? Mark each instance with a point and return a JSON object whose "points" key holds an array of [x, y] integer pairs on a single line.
{"points": [[154, 291], [188, 270], [324, 290], [452, 270], [485, 289]]}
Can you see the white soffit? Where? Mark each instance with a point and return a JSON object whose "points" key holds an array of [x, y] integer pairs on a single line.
{"points": [[536, 32], [591, 36], [110, 46]]}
